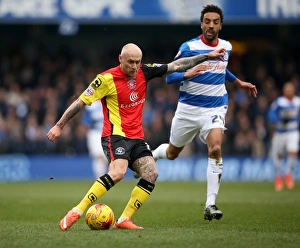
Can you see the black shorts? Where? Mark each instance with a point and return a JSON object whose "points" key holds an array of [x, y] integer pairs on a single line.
{"points": [[116, 146]]}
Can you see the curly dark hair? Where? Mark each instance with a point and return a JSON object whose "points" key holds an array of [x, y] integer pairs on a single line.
{"points": [[212, 8]]}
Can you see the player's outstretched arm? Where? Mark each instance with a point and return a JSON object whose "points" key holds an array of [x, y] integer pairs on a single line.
{"points": [[71, 111], [251, 88], [183, 64]]}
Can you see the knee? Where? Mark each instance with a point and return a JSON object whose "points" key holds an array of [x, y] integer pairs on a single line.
{"points": [[172, 155], [117, 175], [215, 151], [154, 177], [150, 176]]}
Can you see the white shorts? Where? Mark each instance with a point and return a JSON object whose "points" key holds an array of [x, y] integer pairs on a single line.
{"points": [[186, 124], [285, 142], [94, 143]]}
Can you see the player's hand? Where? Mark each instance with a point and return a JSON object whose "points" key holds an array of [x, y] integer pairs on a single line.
{"points": [[218, 53], [251, 88], [197, 70], [54, 133]]}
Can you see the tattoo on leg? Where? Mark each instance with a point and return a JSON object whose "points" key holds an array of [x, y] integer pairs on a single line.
{"points": [[146, 168]]}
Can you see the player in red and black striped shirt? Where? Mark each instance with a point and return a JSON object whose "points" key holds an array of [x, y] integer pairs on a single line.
{"points": [[122, 90]]}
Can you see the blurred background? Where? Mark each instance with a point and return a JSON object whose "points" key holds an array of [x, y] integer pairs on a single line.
{"points": [[52, 49]]}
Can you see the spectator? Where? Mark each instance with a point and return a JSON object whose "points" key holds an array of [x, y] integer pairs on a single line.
{"points": [[39, 79]]}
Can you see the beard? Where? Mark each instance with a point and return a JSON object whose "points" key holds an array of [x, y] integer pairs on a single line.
{"points": [[210, 38]]}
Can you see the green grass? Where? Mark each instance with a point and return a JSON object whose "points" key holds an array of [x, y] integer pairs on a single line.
{"points": [[254, 216]]}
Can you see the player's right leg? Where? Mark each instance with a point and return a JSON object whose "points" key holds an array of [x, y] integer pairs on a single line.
{"points": [[99, 163], [160, 152], [183, 131], [163, 151], [168, 151]]}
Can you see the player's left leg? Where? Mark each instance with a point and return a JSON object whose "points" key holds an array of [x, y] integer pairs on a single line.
{"points": [[278, 146], [214, 173], [288, 177], [278, 182], [141, 192], [211, 133], [144, 164], [292, 150]]}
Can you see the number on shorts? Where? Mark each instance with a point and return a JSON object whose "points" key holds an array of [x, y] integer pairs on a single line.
{"points": [[216, 118]]}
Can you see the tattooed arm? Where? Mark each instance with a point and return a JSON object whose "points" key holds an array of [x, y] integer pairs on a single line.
{"points": [[71, 111], [183, 64]]}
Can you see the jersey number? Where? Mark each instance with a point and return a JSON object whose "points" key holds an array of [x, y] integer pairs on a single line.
{"points": [[217, 118]]}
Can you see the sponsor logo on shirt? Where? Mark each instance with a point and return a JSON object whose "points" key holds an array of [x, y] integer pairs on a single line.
{"points": [[219, 66], [133, 96], [132, 104]]}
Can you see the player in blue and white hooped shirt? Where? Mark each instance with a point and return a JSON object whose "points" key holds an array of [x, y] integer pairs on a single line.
{"points": [[284, 114], [92, 118], [203, 103]]}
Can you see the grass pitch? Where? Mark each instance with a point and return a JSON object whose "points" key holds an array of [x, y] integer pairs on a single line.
{"points": [[254, 216]]}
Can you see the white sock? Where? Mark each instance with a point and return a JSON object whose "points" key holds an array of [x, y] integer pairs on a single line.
{"points": [[160, 152], [277, 164], [214, 174], [291, 161]]}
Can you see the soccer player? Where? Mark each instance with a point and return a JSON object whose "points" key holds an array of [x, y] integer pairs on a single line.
{"points": [[284, 113], [92, 118], [203, 103], [122, 90]]}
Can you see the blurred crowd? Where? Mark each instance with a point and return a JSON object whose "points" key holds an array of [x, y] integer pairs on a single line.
{"points": [[38, 83]]}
